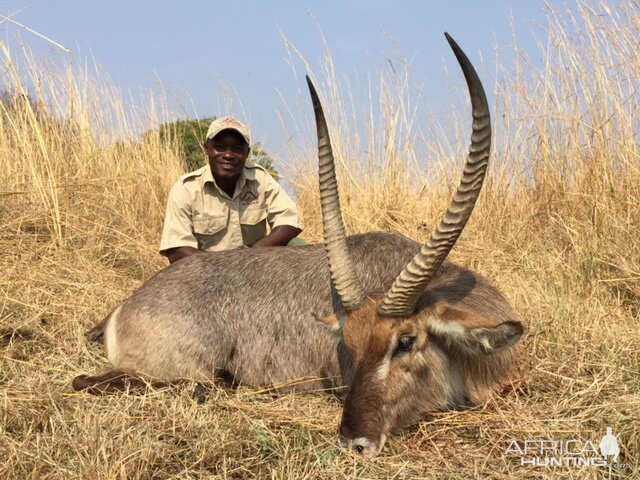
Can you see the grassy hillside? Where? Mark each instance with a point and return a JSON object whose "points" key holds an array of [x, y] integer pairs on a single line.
{"points": [[556, 229]]}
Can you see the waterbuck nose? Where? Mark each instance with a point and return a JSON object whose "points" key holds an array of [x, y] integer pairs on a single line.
{"points": [[366, 447]]}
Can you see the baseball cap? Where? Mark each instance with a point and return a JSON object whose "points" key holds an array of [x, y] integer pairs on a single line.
{"points": [[228, 123]]}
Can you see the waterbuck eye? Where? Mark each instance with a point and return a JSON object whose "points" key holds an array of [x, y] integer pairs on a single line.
{"points": [[405, 344]]}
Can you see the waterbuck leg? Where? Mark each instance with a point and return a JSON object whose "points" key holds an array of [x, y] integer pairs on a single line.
{"points": [[119, 381], [96, 333], [201, 393], [114, 381]]}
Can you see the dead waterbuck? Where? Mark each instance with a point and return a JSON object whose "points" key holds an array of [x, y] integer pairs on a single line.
{"points": [[439, 337]]}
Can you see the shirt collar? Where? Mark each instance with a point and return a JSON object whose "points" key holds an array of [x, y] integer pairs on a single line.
{"points": [[248, 174]]}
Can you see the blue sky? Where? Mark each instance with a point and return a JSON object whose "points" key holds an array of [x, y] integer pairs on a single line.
{"points": [[198, 49]]}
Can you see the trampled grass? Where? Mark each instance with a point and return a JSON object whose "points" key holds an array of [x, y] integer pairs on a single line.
{"points": [[556, 229]]}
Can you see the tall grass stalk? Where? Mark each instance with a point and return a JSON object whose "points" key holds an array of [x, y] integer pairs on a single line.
{"points": [[68, 140]]}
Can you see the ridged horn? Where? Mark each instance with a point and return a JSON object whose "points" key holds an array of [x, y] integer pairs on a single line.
{"points": [[404, 294], [342, 272]]}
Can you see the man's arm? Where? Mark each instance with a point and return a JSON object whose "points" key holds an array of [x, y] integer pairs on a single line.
{"points": [[279, 236], [178, 240], [282, 216]]}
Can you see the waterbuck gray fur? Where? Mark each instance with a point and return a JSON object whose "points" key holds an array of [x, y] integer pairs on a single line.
{"points": [[404, 331]]}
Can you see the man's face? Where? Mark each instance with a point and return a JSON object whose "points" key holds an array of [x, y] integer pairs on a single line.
{"points": [[227, 154]]}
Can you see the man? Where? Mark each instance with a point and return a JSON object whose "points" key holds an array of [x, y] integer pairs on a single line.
{"points": [[226, 204], [229, 202]]}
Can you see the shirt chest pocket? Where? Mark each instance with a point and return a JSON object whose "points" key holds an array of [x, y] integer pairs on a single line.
{"points": [[210, 231], [253, 221], [209, 225]]}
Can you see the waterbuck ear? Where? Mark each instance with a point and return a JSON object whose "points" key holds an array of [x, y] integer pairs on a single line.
{"points": [[334, 321], [472, 331]]}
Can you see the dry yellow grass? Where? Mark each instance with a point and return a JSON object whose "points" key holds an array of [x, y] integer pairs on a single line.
{"points": [[556, 229]]}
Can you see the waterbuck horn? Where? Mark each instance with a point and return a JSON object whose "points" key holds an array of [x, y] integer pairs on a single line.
{"points": [[402, 298], [342, 272]]}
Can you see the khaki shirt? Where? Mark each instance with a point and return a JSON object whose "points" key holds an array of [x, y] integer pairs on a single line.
{"points": [[201, 215]]}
